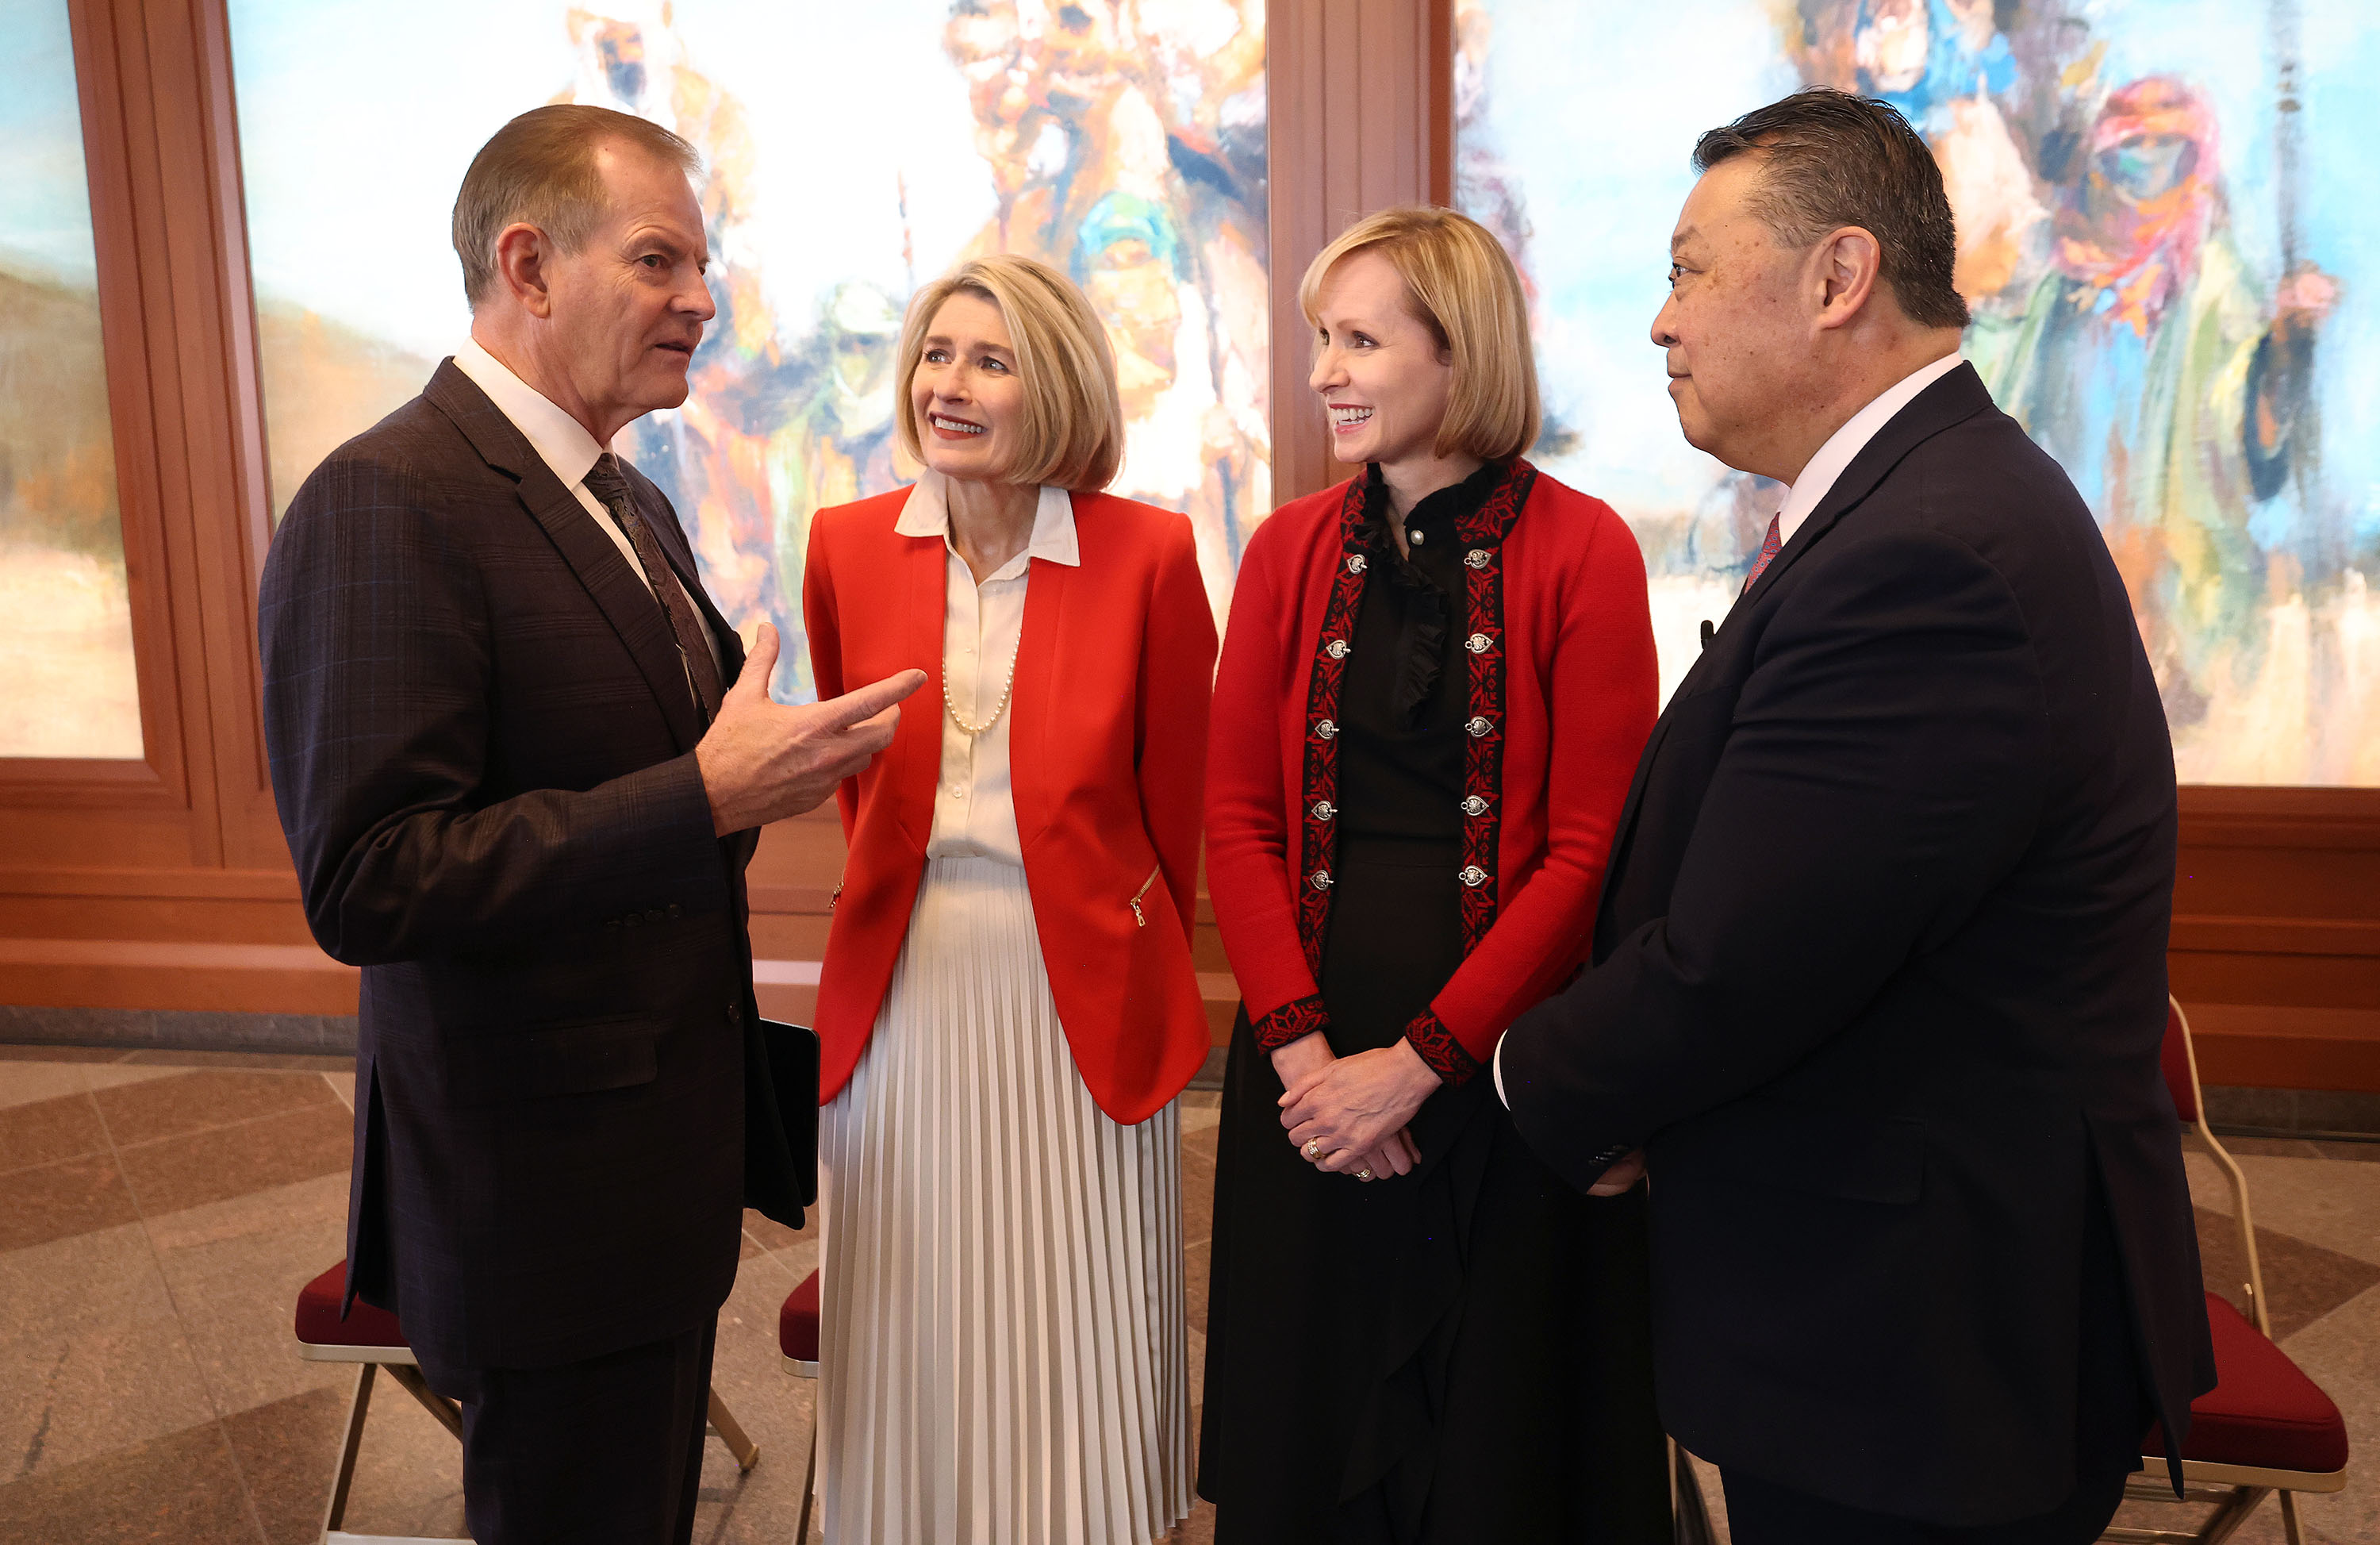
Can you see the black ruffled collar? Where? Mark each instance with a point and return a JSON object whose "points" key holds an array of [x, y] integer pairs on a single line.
{"points": [[1421, 642]]}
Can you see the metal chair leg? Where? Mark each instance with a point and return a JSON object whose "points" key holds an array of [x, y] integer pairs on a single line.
{"points": [[2231, 1515], [348, 1448], [747, 1452], [2289, 1526], [810, 1485], [1691, 1521], [449, 1415]]}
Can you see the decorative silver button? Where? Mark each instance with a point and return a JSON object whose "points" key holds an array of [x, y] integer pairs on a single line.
{"points": [[1473, 875], [1356, 563], [1478, 728], [1325, 728], [1474, 806], [1319, 879], [1478, 643], [1476, 557], [1323, 809], [1336, 649]]}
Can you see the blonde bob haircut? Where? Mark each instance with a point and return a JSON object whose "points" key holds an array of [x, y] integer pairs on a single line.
{"points": [[1460, 284], [1071, 430]]}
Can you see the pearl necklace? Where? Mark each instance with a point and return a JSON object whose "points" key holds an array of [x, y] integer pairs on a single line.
{"points": [[971, 731]]}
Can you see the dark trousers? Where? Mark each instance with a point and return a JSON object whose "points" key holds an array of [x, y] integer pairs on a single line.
{"points": [[1762, 1514], [2111, 1414], [603, 1451]]}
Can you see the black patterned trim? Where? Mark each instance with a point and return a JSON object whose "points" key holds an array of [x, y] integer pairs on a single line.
{"points": [[1293, 1021], [1481, 535], [1319, 852], [1446, 1056]]}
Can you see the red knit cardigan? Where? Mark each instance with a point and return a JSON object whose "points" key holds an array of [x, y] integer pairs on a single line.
{"points": [[1563, 690]]}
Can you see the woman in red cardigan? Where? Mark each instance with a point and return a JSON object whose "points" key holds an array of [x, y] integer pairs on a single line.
{"points": [[1434, 687], [1007, 1003]]}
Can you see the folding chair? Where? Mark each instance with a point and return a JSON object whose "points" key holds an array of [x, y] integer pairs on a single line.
{"points": [[2264, 1427], [373, 1338], [798, 1341]]}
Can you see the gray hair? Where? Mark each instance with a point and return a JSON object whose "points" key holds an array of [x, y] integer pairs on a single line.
{"points": [[540, 170]]}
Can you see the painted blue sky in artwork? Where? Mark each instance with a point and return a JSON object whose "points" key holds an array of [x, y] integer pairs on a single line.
{"points": [[1599, 112], [44, 192], [337, 94], [1596, 107]]}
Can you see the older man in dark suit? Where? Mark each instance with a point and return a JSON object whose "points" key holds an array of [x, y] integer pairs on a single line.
{"points": [[1879, 978], [521, 761]]}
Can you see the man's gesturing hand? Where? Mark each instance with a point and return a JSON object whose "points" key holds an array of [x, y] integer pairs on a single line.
{"points": [[762, 762]]}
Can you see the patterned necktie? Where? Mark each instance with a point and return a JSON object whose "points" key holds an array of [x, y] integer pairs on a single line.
{"points": [[1767, 551], [607, 483]]}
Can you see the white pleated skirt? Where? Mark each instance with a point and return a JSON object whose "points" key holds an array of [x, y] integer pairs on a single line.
{"points": [[1001, 1346]]}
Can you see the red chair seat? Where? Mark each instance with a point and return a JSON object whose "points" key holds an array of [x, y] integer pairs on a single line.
{"points": [[2263, 1413], [318, 1316], [798, 1323]]}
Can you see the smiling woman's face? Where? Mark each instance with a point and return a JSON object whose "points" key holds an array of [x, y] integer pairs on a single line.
{"points": [[1383, 378], [966, 393]]}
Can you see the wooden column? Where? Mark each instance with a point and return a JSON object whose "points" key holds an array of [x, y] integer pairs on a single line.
{"points": [[1360, 100]]}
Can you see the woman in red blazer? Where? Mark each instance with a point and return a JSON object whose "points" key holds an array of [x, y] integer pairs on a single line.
{"points": [[1437, 681], [1007, 1005]]}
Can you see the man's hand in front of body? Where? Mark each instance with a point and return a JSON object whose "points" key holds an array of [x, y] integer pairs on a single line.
{"points": [[762, 762]]}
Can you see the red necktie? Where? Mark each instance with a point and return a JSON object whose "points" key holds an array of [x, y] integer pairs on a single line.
{"points": [[1767, 551]]}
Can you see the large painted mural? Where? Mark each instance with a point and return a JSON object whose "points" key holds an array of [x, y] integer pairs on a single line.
{"points": [[853, 153], [68, 687], [2172, 262]]}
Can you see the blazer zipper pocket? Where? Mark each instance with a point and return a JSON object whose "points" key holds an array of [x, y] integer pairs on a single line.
{"points": [[1139, 917]]}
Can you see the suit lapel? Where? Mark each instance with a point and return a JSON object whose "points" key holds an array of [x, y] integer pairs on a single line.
{"points": [[664, 521], [1956, 397], [617, 590], [1039, 645], [918, 745]]}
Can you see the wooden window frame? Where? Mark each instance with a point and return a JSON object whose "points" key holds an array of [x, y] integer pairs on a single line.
{"points": [[2277, 905]]}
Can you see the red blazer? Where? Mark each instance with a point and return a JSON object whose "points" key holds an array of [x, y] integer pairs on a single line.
{"points": [[1563, 690], [1107, 751]]}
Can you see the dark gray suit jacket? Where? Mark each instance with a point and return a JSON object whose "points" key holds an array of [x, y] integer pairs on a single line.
{"points": [[481, 743], [1879, 982]]}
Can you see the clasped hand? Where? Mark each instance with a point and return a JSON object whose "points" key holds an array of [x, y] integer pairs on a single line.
{"points": [[1349, 1114], [762, 761]]}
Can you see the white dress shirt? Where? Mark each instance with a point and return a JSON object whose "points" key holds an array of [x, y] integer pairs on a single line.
{"points": [[974, 815], [1809, 490], [1818, 478], [560, 441]]}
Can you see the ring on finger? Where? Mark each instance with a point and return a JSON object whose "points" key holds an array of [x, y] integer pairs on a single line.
{"points": [[1364, 1174], [1313, 1149]]}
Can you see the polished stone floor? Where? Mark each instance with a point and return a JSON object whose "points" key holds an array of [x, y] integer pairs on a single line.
{"points": [[158, 1212]]}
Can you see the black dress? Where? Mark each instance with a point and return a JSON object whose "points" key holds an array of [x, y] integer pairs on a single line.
{"points": [[1458, 1355]]}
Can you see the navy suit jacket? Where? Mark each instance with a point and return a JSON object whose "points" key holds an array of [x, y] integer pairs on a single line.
{"points": [[481, 745], [1879, 982]]}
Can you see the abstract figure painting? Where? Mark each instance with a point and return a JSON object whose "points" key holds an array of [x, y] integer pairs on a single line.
{"points": [[66, 657], [2174, 275], [852, 153]]}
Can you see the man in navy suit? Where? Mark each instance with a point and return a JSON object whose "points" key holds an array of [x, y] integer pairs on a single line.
{"points": [[1879, 979], [521, 761]]}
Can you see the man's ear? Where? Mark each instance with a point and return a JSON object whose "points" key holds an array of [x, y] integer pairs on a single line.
{"points": [[522, 253], [1843, 273]]}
